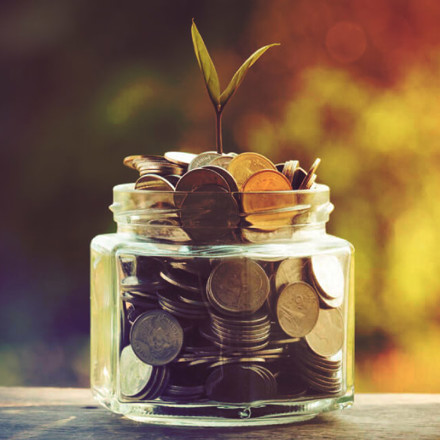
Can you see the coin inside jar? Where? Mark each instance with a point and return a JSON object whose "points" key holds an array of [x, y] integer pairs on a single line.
{"points": [[290, 271], [203, 159], [153, 182], [297, 309], [327, 337], [156, 337], [328, 275], [238, 285]]}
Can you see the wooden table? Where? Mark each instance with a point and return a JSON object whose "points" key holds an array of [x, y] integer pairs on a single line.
{"points": [[67, 413]]}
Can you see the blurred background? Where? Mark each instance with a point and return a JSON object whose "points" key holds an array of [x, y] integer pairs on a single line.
{"points": [[355, 82]]}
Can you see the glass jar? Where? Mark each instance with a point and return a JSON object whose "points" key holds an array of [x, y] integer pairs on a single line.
{"points": [[204, 316]]}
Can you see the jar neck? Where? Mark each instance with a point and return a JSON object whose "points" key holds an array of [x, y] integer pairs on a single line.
{"points": [[221, 218]]}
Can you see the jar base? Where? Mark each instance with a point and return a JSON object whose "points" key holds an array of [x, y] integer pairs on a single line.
{"points": [[257, 414]]}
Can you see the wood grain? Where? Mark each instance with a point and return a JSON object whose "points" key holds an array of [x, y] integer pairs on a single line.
{"points": [[66, 413]]}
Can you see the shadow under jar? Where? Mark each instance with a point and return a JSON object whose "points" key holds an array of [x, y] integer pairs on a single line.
{"points": [[222, 309]]}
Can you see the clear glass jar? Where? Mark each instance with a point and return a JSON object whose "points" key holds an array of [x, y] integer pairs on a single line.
{"points": [[203, 317]]}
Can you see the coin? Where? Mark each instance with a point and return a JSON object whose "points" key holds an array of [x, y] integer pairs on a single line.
{"points": [[153, 182], [246, 164], [156, 337], [309, 179], [179, 157], [134, 375], [210, 219], [298, 176], [225, 174], [203, 159], [238, 286], [289, 271], [327, 336], [328, 275], [195, 179], [222, 161], [289, 169], [265, 209], [297, 309]]}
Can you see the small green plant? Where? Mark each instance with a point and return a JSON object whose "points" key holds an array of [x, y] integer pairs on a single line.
{"points": [[220, 99]]}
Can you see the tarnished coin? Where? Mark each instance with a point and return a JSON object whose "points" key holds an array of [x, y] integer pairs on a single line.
{"points": [[203, 159], [222, 161], [172, 178], [327, 337], [209, 219], [297, 309], [180, 157], [225, 174], [195, 179], [156, 337], [246, 164], [238, 285], [298, 176], [153, 182], [328, 275], [290, 271], [135, 375]]}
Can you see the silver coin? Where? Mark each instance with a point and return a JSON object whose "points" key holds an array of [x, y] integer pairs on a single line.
{"points": [[153, 182], [134, 375], [203, 159], [290, 271], [328, 275], [222, 161], [180, 157]]}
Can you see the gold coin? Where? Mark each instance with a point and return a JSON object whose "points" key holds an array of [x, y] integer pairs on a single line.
{"points": [[246, 164], [268, 211]]}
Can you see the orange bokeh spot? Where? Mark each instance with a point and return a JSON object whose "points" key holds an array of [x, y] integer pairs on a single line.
{"points": [[346, 42]]}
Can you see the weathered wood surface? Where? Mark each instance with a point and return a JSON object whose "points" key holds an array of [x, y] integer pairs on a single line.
{"points": [[66, 413]]}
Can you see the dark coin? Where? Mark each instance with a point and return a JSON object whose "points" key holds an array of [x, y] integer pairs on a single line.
{"points": [[172, 178], [226, 175], [298, 177], [238, 286], [207, 219], [156, 337], [196, 178]]}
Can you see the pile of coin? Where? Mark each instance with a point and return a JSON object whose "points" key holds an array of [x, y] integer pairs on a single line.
{"points": [[248, 193], [231, 330]]}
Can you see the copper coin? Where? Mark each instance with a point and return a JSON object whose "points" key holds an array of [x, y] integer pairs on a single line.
{"points": [[156, 337], [246, 164], [238, 285], [327, 337], [297, 309]]}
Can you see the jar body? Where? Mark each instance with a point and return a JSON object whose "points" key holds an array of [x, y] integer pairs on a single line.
{"points": [[284, 358]]}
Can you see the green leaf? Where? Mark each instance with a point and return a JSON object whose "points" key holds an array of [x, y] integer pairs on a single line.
{"points": [[206, 66], [237, 79]]}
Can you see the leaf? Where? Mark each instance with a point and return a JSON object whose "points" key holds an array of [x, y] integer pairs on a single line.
{"points": [[238, 78], [206, 66]]}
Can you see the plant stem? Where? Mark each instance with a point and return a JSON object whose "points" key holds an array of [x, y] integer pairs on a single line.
{"points": [[219, 139]]}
